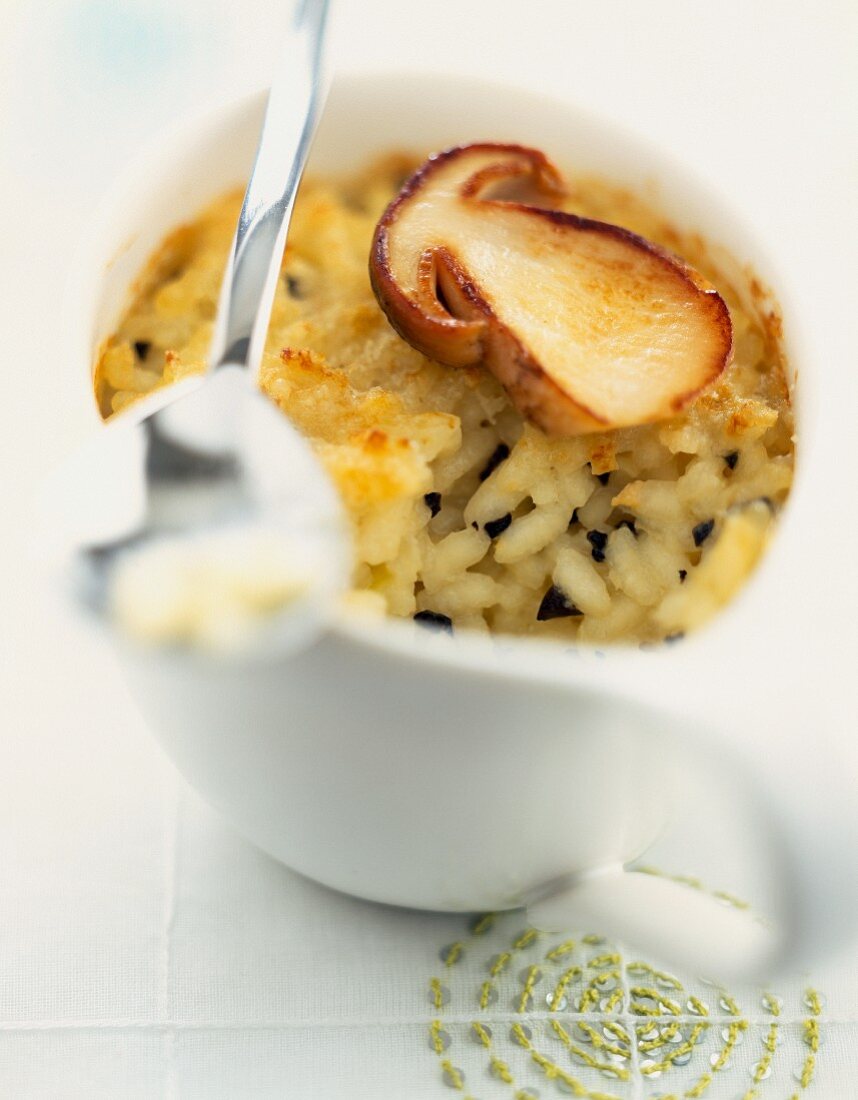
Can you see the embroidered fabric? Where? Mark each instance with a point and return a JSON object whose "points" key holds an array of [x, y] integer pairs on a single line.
{"points": [[162, 956]]}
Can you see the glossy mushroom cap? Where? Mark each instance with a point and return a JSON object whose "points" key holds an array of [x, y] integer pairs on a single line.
{"points": [[587, 325]]}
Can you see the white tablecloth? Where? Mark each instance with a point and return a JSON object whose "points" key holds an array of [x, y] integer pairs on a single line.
{"points": [[147, 951]]}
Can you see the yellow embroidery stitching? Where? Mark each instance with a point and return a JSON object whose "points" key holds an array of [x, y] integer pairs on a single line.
{"points": [[437, 993], [560, 989], [560, 950], [533, 975], [435, 1032], [481, 1034], [604, 992], [454, 954], [587, 1058]]}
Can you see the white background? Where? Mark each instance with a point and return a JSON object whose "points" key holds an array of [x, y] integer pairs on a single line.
{"points": [[144, 949]]}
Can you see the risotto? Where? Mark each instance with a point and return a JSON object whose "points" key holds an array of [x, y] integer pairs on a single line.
{"points": [[464, 515]]}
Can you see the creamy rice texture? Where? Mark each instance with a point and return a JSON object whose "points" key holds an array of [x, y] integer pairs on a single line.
{"points": [[461, 511]]}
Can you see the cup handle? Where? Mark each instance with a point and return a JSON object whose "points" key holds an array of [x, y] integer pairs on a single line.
{"points": [[803, 791], [641, 909]]}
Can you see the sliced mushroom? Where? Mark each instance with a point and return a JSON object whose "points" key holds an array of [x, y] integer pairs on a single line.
{"points": [[587, 325]]}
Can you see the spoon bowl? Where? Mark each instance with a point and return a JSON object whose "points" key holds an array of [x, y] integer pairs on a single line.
{"points": [[210, 464]]}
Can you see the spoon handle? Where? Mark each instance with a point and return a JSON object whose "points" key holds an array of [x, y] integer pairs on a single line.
{"points": [[294, 105]]}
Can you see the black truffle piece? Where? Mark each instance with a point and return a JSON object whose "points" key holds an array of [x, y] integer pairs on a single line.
{"points": [[497, 527], [683, 573], [435, 620], [702, 531], [556, 605], [294, 288], [731, 459], [433, 503], [500, 453], [141, 349], [598, 540]]}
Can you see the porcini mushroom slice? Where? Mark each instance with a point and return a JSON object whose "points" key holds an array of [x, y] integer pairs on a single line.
{"points": [[587, 325]]}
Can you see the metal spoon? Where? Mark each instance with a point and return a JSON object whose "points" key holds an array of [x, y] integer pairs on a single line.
{"points": [[213, 454]]}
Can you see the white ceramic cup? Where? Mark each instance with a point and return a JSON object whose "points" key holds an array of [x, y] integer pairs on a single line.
{"points": [[464, 773]]}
